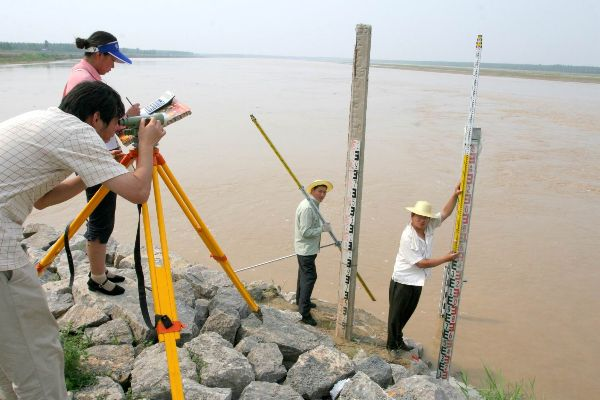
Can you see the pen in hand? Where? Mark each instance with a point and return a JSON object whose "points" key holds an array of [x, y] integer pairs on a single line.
{"points": [[134, 110]]}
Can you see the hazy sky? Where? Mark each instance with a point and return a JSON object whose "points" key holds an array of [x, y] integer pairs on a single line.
{"points": [[514, 31]]}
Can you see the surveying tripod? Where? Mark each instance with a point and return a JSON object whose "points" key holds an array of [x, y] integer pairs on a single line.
{"points": [[160, 275]]}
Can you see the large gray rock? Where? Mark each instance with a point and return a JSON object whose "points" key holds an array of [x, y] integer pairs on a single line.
{"points": [[260, 290], [184, 292], [246, 345], [59, 297], [219, 364], [105, 388], [80, 316], [201, 314], [470, 392], [38, 236], [115, 361], [81, 265], [418, 367], [195, 391], [376, 369], [125, 306], [269, 391], [204, 281], [187, 315], [267, 362], [120, 252], [150, 374], [316, 371], [423, 387], [399, 372], [284, 329], [224, 323], [113, 332], [228, 299], [361, 387]]}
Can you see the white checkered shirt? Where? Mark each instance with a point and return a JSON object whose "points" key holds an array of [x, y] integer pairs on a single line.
{"points": [[38, 150]]}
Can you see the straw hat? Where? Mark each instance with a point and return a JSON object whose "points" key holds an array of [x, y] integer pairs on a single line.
{"points": [[320, 182], [422, 208]]}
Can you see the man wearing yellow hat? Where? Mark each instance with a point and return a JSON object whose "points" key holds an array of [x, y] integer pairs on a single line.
{"points": [[412, 266], [307, 242]]}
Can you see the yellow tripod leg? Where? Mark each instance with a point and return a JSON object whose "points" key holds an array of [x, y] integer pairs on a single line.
{"points": [[78, 221], [162, 291], [73, 228], [202, 230]]}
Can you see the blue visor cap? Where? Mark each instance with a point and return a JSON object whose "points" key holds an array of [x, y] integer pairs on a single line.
{"points": [[112, 48]]}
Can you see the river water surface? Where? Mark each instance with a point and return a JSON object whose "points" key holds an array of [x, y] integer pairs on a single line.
{"points": [[530, 307]]}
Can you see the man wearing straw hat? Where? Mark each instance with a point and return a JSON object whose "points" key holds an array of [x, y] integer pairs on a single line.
{"points": [[412, 266], [307, 242]]}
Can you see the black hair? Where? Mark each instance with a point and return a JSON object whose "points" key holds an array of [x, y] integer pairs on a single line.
{"points": [[96, 39], [90, 96]]}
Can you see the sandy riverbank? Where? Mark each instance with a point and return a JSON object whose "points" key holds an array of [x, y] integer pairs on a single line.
{"points": [[507, 73]]}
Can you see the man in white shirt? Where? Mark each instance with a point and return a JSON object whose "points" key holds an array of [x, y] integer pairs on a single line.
{"points": [[39, 151], [412, 266]]}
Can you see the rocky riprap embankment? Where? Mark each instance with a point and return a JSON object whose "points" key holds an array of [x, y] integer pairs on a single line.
{"points": [[225, 351]]}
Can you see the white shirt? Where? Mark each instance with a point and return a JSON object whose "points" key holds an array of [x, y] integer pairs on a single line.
{"points": [[38, 150], [412, 250]]}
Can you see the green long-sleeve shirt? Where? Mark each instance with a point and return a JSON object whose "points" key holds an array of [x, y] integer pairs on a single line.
{"points": [[308, 229]]}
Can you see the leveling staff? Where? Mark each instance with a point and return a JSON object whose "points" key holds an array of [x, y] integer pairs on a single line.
{"points": [[412, 266], [38, 152]]}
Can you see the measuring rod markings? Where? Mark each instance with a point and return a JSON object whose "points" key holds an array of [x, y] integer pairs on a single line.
{"points": [[455, 276], [453, 273], [349, 219]]}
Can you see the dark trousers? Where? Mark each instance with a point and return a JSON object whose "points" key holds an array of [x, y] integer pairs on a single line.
{"points": [[102, 220], [403, 302], [307, 276]]}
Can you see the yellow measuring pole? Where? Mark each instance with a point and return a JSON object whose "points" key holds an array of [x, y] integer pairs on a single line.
{"points": [[461, 203], [336, 241]]}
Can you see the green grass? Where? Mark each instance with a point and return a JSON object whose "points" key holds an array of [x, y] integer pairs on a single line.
{"points": [[74, 345], [495, 388]]}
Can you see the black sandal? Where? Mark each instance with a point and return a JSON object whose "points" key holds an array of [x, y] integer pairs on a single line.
{"points": [[96, 287], [116, 278]]}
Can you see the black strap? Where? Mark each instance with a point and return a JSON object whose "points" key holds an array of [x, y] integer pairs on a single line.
{"points": [[140, 280], [69, 256]]}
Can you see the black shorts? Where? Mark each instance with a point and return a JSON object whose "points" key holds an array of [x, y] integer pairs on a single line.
{"points": [[102, 221]]}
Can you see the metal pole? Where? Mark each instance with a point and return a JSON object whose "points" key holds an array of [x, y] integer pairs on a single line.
{"points": [[354, 174], [276, 259]]}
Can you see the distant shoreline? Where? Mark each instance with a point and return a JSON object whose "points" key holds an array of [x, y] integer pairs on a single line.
{"points": [[40, 58], [541, 75]]}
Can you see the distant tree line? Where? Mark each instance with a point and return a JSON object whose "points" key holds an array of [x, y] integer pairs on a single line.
{"points": [[69, 48]]}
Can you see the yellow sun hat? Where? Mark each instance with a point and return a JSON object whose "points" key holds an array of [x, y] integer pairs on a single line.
{"points": [[422, 208], [320, 182]]}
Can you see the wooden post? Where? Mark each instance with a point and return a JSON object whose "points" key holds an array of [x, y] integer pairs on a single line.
{"points": [[354, 174]]}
